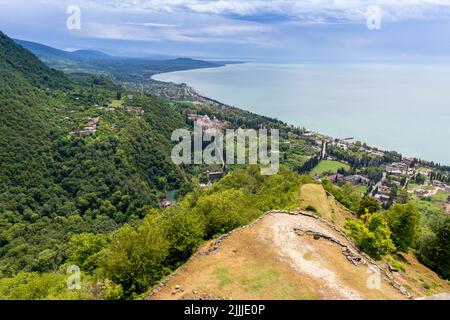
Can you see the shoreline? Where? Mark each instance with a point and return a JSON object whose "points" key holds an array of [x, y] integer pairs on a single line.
{"points": [[198, 97]]}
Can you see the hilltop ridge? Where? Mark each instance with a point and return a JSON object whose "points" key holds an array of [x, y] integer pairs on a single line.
{"points": [[292, 255]]}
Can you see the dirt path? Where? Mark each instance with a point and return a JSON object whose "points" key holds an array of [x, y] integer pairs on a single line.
{"points": [[292, 248]]}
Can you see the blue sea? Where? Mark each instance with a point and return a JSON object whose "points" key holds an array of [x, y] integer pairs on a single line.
{"points": [[391, 106]]}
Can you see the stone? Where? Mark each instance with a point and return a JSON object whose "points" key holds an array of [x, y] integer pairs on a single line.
{"points": [[392, 269]]}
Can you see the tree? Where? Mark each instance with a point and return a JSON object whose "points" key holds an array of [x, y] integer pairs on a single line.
{"points": [[346, 195], [46, 260], [434, 249], [85, 251], [135, 256], [53, 286], [420, 179], [402, 196], [403, 221], [184, 230], [369, 204], [372, 234], [223, 211]]}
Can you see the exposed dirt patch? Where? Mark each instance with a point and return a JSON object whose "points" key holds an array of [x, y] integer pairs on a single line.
{"points": [[269, 260], [323, 260], [296, 256]]}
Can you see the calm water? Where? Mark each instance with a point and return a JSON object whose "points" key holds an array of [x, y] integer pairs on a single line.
{"points": [[396, 107]]}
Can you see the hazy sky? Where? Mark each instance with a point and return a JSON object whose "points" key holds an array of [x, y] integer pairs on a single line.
{"points": [[239, 29]]}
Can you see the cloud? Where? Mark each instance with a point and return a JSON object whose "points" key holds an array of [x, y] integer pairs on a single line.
{"points": [[246, 28], [292, 10], [153, 24], [203, 32], [253, 34], [116, 32]]}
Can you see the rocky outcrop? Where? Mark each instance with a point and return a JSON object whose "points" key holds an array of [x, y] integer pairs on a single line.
{"points": [[349, 254]]}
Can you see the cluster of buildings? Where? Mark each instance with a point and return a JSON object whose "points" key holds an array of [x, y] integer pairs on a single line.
{"points": [[170, 90], [207, 124], [435, 187], [108, 109], [440, 185], [135, 109], [383, 193], [90, 129], [342, 144], [400, 168], [405, 169], [395, 175], [355, 179]]}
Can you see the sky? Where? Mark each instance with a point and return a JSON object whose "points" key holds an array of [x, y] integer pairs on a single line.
{"points": [[251, 30]]}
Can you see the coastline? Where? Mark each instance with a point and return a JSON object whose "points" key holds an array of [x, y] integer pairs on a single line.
{"points": [[197, 96]]}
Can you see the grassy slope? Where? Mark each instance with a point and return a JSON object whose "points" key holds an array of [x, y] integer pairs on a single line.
{"points": [[314, 195], [328, 166], [416, 278]]}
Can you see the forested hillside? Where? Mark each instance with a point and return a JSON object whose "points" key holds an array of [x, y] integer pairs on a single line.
{"points": [[56, 180]]}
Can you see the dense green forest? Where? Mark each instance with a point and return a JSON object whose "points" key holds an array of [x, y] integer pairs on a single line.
{"points": [[54, 182]]}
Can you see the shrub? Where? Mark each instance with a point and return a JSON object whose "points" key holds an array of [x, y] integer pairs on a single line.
{"points": [[434, 248], [311, 208], [85, 251], [403, 221], [135, 256], [372, 234], [184, 230], [369, 205], [223, 211]]}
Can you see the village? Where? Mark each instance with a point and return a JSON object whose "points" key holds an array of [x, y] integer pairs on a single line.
{"points": [[90, 127], [418, 182], [395, 177]]}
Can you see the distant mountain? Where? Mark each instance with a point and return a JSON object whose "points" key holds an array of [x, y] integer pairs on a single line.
{"points": [[89, 54], [126, 70], [45, 52]]}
